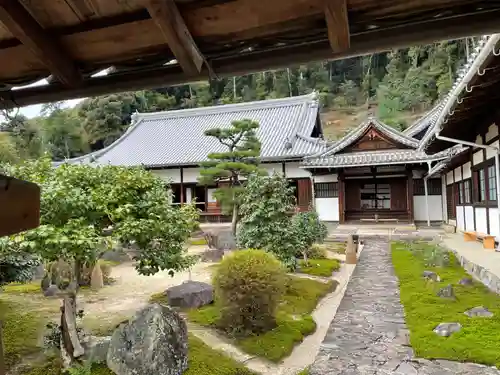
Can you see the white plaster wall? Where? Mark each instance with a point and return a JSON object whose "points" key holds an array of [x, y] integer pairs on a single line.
{"points": [[491, 153], [467, 171], [492, 132], [272, 168], [210, 195], [435, 208], [479, 139], [189, 195], [469, 218], [481, 220], [478, 157], [326, 178], [493, 212], [168, 175], [458, 174], [327, 208], [292, 170], [191, 174], [443, 198], [449, 178], [460, 218]]}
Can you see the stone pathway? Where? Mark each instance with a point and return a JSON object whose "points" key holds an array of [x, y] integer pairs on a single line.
{"points": [[368, 335]]}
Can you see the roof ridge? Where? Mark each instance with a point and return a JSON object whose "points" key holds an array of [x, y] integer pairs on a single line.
{"points": [[233, 107]]}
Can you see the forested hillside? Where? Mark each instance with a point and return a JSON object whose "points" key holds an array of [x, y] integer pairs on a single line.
{"points": [[397, 86]]}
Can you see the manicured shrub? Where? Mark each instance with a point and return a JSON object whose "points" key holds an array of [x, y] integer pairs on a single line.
{"points": [[249, 285], [308, 229], [316, 251]]}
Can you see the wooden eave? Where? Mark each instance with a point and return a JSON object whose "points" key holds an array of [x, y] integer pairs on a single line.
{"points": [[474, 112], [153, 43]]}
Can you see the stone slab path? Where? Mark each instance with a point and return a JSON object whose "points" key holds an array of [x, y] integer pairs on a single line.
{"points": [[368, 335]]}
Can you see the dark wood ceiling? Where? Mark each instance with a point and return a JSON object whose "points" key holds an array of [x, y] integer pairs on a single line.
{"points": [[67, 41], [476, 108]]}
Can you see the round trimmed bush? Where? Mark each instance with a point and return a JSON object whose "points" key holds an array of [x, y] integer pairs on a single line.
{"points": [[248, 286]]}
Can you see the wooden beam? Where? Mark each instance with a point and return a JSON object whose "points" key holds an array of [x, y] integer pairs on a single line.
{"points": [[25, 28], [338, 24], [171, 24]]}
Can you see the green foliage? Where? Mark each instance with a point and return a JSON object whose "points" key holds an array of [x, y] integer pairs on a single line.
{"points": [[197, 242], [304, 371], [316, 251], [431, 255], [319, 267], [249, 285], [266, 206], [78, 202], [309, 229], [22, 288], [479, 338], [16, 265], [8, 150], [293, 319]]}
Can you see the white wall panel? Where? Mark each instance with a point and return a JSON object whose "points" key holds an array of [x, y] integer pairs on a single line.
{"points": [[492, 132], [479, 139], [481, 220], [292, 170], [493, 213], [273, 168], [327, 208], [189, 194], [458, 174], [478, 157], [169, 175], [467, 171], [443, 198], [190, 174], [449, 178], [435, 208], [460, 218], [491, 153], [326, 178], [469, 218]]}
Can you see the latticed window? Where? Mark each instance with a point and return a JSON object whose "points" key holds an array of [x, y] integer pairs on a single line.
{"points": [[492, 184], [326, 189], [434, 186]]}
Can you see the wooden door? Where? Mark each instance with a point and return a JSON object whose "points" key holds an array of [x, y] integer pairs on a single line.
{"points": [[352, 195], [304, 193], [398, 195]]}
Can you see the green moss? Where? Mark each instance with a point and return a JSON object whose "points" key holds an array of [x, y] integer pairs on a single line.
{"points": [[336, 247], [319, 267], [101, 369], [293, 319], [204, 360], [22, 330], [304, 371], [22, 288], [160, 298], [197, 241], [478, 340]]}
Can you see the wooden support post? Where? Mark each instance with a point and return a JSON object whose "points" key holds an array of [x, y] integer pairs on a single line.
{"points": [[182, 186], [338, 24], [350, 252]]}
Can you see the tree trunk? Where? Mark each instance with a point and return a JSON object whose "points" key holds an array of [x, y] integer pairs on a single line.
{"points": [[71, 348], [234, 221], [78, 272]]}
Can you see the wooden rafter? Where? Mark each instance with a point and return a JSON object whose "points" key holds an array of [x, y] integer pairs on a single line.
{"points": [[338, 24], [25, 28], [171, 24]]}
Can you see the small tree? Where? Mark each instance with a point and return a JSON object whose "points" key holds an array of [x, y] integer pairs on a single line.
{"points": [[266, 208], [309, 229], [240, 160]]}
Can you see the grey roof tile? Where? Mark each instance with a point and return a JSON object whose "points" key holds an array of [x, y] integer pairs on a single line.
{"points": [[176, 137]]}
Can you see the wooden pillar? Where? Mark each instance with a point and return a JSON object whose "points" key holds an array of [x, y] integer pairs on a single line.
{"points": [[182, 186], [341, 188], [409, 194], [206, 198]]}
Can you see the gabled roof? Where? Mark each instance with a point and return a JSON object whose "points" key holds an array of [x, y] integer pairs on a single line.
{"points": [[171, 138], [419, 127], [358, 132]]}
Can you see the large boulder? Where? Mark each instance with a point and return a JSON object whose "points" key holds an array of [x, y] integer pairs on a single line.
{"points": [[479, 311], [446, 329], [190, 294], [212, 255], [446, 292], [432, 276], [155, 341], [96, 348]]}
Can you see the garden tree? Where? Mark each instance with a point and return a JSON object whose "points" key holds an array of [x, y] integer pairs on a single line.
{"points": [[267, 204], [78, 202], [8, 151], [226, 168], [308, 229]]}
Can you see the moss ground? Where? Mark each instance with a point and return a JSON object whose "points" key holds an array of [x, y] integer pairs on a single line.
{"points": [[294, 321], [319, 267], [479, 339]]}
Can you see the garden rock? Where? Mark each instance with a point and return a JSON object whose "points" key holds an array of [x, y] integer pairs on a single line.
{"points": [[96, 279], [466, 281], [429, 275], [212, 255], [153, 342], [191, 294], [479, 311], [45, 283], [52, 291], [96, 348], [446, 329], [225, 240], [446, 292]]}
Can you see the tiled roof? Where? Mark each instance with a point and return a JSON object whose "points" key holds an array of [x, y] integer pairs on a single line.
{"points": [[355, 134], [177, 137], [423, 123]]}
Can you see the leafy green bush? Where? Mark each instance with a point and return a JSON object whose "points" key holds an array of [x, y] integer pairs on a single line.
{"points": [[16, 265], [249, 285], [266, 207], [319, 267], [308, 229], [316, 251]]}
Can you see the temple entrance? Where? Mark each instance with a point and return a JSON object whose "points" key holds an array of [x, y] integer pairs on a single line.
{"points": [[373, 199]]}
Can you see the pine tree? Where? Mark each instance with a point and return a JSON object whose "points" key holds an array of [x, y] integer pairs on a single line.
{"points": [[227, 168]]}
